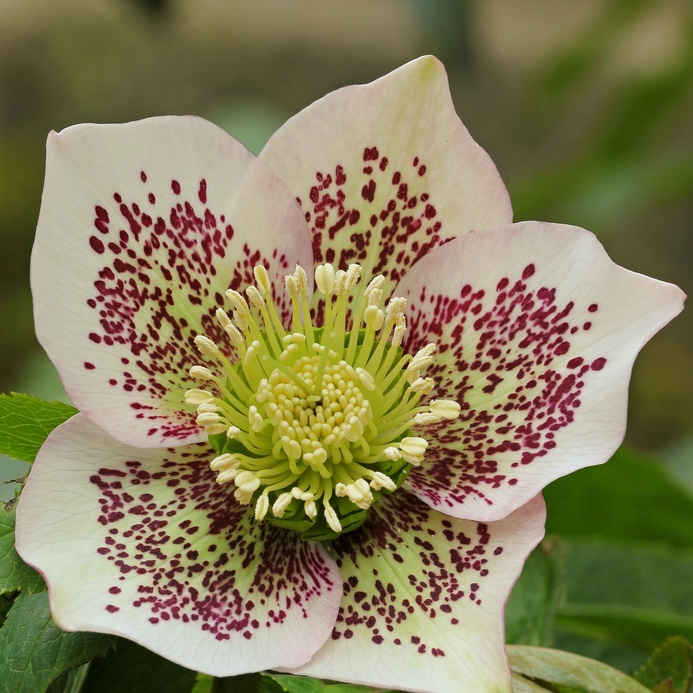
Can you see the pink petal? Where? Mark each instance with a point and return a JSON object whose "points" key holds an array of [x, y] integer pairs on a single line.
{"points": [[144, 544], [386, 171], [142, 228], [424, 596], [537, 330]]}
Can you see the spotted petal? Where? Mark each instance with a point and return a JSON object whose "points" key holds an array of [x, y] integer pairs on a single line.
{"points": [[142, 228], [537, 330], [144, 544], [423, 598], [386, 171]]}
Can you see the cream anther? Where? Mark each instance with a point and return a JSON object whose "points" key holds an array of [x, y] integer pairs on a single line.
{"points": [[207, 347], [262, 280], [208, 418], [227, 475], [255, 297], [224, 461], [373, 317], [395, 307], [422, 385], [202, 373], [301, 280], [291, 287], [375, 284], [281, 504], [413, 449], [425, 417], [257, 423], [238, 302], [366, 379], [261, 507], [331, 518], [197, 397], [324, 278], [340, 282], [380, 480], [445, 408], [392, 453], [222, 318], [352, 276]]}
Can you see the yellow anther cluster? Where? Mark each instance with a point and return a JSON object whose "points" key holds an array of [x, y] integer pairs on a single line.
{"points": [[317, 412], [313, 427]]}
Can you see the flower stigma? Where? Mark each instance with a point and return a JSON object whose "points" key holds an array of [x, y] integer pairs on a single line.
{"points": [[312, 424]]}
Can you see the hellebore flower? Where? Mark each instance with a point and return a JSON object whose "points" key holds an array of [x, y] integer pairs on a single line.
{"points": [[342, 480]]}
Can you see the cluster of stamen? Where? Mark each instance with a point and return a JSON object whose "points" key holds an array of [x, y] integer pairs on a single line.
{"points": [[315, 413]]}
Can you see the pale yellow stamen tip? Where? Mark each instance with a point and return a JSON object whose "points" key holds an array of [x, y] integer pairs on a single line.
{"points": [[197, 397], [445, 408], [261, 507], [201, 372], [257, 423], [422, 385], [332, 520], [222, 318], [227, 475], [255, 297], [373, 317], [208, 418], [281, 504], [392, 453], [221, 462], [324, 278], [262, 280], [311, 509], [380, 481], [424, 418], [366, 379], [413, 449], [207, 347]]}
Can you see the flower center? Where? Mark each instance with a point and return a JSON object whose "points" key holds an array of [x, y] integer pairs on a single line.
{"points": [[312, 424]]}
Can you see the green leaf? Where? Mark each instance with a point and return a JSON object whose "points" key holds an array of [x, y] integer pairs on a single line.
{"points": [[565, 672], [631, 498], [247, 683], [34, 651], [6, 601], [71, 681], [530, 610], [271, 682], [15, 575], [641, 628], [669, 668], [203, 684], [630, 596], [621, 601], [130, 668], [25, 423]]}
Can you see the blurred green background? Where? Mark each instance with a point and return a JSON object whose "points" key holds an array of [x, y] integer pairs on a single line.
{"points": [[586, 107]]}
